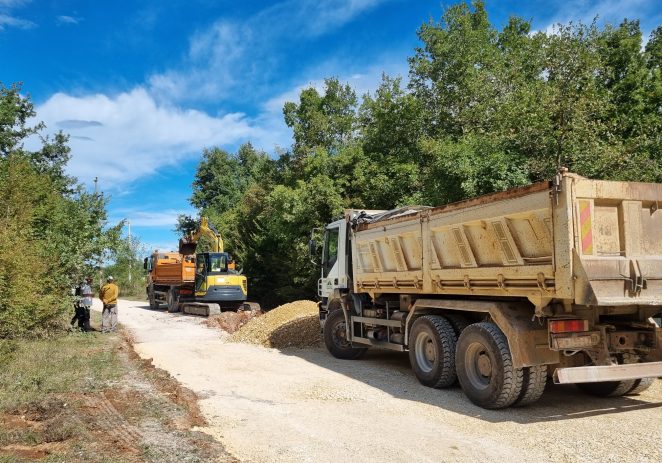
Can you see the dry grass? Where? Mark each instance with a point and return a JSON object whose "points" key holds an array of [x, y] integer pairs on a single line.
{"points": [[87, 397]]}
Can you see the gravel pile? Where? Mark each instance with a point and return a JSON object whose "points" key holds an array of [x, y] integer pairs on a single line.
{"points": [[232, 321], [291, 325]]}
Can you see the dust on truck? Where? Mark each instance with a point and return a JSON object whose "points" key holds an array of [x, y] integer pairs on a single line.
{"points": [[558, 278]]}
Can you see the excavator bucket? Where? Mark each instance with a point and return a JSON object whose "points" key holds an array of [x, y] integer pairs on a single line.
{"points": [[187, 248]]}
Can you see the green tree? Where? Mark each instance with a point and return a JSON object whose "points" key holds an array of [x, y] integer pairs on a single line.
{"points": [[52, 232], [125, 263], [391, 127], [324, 121], [485, 109]]}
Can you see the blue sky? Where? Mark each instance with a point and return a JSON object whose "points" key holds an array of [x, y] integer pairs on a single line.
{"points": [[142, 86]]}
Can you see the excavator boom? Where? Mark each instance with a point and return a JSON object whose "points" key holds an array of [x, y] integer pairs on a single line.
{"points": [[189, 243]]}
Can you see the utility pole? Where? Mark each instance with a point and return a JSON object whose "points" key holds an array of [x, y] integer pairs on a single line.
{"points": [[96, 193], [130, 250]]}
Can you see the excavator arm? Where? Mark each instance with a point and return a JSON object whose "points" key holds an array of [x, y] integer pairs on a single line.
{"points": [[189, 243]]}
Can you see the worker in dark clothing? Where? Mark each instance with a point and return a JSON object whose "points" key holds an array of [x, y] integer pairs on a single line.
{"points": [[82, 305]]}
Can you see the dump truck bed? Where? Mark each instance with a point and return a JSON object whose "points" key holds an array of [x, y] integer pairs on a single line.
{"points": [[582, 241], [173, 269]]}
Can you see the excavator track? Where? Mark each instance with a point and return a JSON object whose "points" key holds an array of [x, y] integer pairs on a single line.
{"points": [[200, 308]]}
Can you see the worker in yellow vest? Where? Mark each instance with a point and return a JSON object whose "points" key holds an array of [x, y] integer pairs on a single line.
{"points": [[108, 295]]}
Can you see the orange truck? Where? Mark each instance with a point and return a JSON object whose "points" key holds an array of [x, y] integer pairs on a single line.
{"points": [[171, 275]]}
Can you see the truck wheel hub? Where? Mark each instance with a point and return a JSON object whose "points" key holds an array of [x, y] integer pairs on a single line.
{"points": [[484, 365]]}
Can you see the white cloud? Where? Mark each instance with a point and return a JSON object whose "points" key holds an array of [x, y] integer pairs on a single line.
{"points": [[63, 20], [215, 57], [11, 21], [161, 246], [130, 135], [143, 218], [127, 136], [241, 55], [7, 19], [12, 3], [608, 11], [311, 18]]}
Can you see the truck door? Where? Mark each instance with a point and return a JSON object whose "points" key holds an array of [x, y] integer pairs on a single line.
{"points": [[334, 259]]}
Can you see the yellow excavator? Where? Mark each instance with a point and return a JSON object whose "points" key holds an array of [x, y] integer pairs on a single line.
{"points": [[218, 285]]}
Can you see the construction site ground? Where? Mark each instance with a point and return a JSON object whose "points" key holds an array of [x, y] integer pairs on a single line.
{"points": [[87, 397], [302, 405]]}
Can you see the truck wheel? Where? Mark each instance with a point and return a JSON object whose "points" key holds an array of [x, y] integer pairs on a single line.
{"points": [[607, 388], [172, 298], [458, 322], [533, 385], [432, 351], [153, 304], [640, 385], [335, 338], [485, 367]]}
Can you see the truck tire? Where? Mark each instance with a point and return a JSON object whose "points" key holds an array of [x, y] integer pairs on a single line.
{"points": [[432, 351], [335, 338], [153, 304], [172, 298], [640, 385], [485, 367], [607, 388], [458, 322], [533, 385]]}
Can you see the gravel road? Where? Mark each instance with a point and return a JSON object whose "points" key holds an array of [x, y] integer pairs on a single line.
{"points": [[302, 405]]}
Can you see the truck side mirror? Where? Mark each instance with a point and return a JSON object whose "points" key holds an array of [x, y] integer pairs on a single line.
{"points": [[312, 247], [145, 263]]}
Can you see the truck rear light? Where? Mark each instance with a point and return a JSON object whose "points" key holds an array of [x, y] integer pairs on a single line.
{"points": [[568, 326]]}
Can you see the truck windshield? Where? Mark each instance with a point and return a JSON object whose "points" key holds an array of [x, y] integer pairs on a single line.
{"points": [[330, 254]]}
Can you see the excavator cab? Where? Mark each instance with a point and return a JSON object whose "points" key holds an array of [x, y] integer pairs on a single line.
{"points": [[216, 282]]}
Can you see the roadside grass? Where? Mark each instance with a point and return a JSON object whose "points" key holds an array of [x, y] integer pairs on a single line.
{"points": [[74, 363], [87, 397]]}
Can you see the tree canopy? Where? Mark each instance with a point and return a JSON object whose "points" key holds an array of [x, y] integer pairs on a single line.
{"points": [[484, 109], [52, 231]]}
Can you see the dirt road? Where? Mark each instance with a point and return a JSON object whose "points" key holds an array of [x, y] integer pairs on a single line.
{"points": [[302, 405]]}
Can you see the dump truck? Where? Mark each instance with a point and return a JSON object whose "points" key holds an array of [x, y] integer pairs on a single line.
{"points": [[560, 278], [200, 284], [171, 276]]}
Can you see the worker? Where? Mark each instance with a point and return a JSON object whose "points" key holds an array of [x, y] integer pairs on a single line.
{"points": [[108, 296], [79, 310], [86, 302]]}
